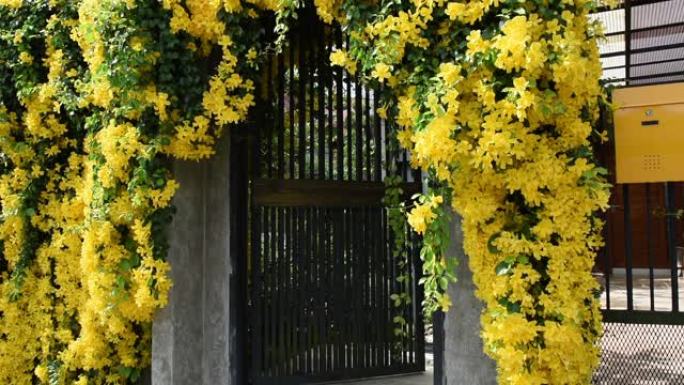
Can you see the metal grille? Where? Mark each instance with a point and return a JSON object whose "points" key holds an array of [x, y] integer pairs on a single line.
{"points": [[644, 42], [321, 265], [634, 354], [323, 294]]}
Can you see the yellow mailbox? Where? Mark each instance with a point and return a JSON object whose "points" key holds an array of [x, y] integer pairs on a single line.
{"points": [[649, 133]]}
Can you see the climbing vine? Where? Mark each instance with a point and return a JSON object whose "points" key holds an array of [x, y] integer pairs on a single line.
{"points": [[495, 100]]}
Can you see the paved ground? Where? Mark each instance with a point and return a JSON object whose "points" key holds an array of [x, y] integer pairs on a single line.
{"points": [[425, 378], [410, 379]]}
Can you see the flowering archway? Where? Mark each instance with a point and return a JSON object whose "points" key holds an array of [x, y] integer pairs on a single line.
{"points": [[496, 100]]}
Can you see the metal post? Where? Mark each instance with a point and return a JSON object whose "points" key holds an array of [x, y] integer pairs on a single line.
{"points": [[628, 247], [672, 242]]}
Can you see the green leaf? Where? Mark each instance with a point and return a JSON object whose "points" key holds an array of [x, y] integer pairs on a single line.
{"points": [[503, 268], [443, 283], [490, 244]]}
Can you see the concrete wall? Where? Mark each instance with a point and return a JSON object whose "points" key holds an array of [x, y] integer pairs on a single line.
{"points": [[464, 362], [192, 335]]}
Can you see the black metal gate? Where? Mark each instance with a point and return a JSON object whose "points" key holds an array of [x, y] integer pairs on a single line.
{"points": [[321, 269]]}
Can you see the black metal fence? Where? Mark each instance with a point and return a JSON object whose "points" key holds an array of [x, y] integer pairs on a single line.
{"points": [[321, 269], [640, 273]]}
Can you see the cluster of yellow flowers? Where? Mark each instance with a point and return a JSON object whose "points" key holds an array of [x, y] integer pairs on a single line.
{"points": [[494, 101], [502, 126], [87, 130]]}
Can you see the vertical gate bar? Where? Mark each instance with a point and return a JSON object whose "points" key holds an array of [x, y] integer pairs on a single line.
{"points": [[672, 242], [309, 287], [303, 72], [252, 258], [378, 285], [292, 107], [313, 58], [363, 270], [331, 90], [385, 302], [330, 287], [649, 242], [347, 291], [297, 293], [256, 296], [379, 297], [395, 289], [607, 249], [288, 316], [320, 48], [280, 357], [272, 291], [368, 129], [349, 142], [323, 287], [359, 281], [377, 145], [292, 306], [315, 314], [375, 260], [418, 289], [338, 289], [438, 346], [628, 41], [304, 266], [368, 304], [314, 290], [281, 116], [364, 286], [311, 292], [387, 290], [628, 247], [404, 165], [339, 110], [266, 291], [401, 270], [410, 320], [350, 289], [318, 292], [303, 287], [354, 292], [325, 284], [358, 130], [271, 64]]}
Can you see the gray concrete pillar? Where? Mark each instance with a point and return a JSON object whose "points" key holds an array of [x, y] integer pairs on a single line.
{"points": [[464, 362], [192, 335]]}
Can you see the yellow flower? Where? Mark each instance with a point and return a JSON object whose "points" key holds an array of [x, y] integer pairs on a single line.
{"points": [[381, 72], [420, 217], [338, 58], [251, 54], [382, 112], [444, 302], [25, 57], [137, 44], [11, 3], [455, 10]]}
